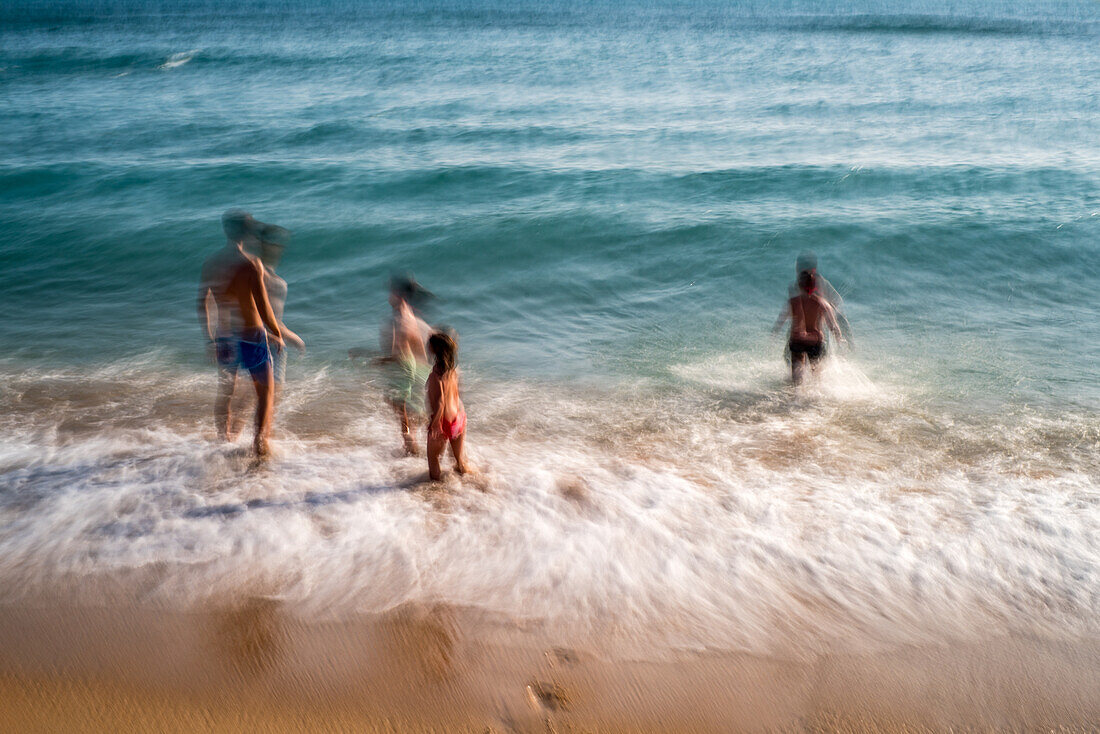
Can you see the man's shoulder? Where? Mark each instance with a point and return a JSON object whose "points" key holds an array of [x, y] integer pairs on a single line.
{"points": [[216, 266], [251, 259], [223, 259], [831, 294], [247, 263]]}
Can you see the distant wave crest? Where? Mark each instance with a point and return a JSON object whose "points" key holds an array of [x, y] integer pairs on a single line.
{"points": [[178, 59], [936, 23]]}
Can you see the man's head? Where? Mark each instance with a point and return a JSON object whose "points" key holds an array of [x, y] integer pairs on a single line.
{"points": [[806, 261], [238, 225], [273, 240], [807, 281], [405, 289]]}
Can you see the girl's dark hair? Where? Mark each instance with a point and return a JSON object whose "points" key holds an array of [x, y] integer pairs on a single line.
{"points": [[445, 349]]}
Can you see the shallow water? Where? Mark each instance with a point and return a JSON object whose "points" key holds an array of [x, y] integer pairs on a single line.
{"points": [[608, 203]]}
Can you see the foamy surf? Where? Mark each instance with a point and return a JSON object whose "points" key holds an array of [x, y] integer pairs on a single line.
{"points": [[837, 377], [639, 527]]}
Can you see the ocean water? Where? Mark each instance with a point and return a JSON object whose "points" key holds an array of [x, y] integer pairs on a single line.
{"points": [[608, 199]]}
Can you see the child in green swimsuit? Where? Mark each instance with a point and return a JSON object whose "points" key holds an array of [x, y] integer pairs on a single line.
{"points": [[406, 359]]}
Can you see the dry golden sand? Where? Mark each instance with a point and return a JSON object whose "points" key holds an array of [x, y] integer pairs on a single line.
{"points": [[251, 667]]}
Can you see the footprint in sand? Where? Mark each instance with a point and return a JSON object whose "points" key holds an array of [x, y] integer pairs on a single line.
{"points": [[547, 697], [250, 634], [575, 489], [562, 656]]}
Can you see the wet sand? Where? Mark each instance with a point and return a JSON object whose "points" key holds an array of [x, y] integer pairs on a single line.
{"points": [[253, 667]]}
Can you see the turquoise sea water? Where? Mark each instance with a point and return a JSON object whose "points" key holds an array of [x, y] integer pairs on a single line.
{"points": [[608, 198]]}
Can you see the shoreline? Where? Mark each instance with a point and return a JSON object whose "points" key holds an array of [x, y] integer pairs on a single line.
{"points": [[442, 668]]}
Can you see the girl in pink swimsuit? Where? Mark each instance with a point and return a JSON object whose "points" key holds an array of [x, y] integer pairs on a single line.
{"points": [[448, 423]]}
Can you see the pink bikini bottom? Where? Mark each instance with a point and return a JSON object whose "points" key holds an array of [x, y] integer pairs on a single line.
{"points": [[451, 429]]}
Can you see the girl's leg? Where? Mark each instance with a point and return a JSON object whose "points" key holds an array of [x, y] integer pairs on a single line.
{"points": [[436, 446], [458, 451]]}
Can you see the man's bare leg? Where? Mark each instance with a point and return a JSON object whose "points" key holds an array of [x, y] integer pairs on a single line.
{"points": [[265, 407], [458, 451], [276, 396], [227, 383], [436, 445], [798, 362], [242, 403]]}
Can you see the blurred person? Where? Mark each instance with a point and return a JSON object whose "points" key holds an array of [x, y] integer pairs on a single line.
{"points": [[273, 241], [403, 340], [231, 290], [807, 262], [448, 415], [807, 310]]}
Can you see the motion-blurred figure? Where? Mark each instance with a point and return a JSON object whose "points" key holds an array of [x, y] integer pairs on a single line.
{"points": [[448, 415], [806, 262], [403, 341], [231, 290], [806, 311], [273, 240]]}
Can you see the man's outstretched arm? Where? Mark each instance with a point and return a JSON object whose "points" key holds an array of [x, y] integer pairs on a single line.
{"points": [[830, 321], [782, 319]]}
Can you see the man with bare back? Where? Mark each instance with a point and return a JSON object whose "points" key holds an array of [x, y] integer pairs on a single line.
{"points": [[807, 261], [233, 296], [807, 310]]}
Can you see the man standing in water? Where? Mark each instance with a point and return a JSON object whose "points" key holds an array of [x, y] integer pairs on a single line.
{"points": [[273, 241], [232, 282], [807, 310], [806, 262]]}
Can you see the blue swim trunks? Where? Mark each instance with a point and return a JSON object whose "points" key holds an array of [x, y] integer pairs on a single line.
{"points": [[247, 350]]}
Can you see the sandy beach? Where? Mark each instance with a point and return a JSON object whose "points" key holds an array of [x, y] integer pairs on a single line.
{"points": [[423, 668]]}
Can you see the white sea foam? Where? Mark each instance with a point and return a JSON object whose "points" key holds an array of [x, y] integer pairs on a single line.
{"points": [[838, 378], [178, 59], [774, 522]]}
